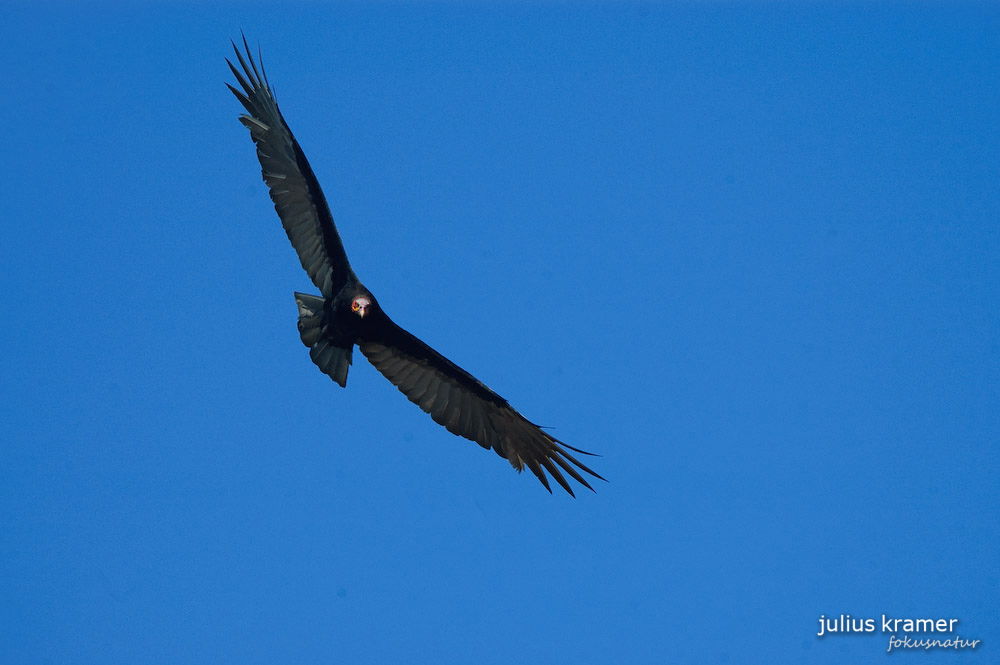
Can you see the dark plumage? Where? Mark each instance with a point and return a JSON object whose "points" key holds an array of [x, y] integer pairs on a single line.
{"points": [[348, 314]]}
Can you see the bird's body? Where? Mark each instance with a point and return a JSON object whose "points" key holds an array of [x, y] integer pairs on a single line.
{"points": [[347, 314]]}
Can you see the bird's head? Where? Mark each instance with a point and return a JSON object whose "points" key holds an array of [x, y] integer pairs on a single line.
{"points": [[360, 305]]}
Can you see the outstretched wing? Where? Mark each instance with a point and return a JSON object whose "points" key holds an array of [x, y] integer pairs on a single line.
{"points": [[456, 399], [297, 196]]}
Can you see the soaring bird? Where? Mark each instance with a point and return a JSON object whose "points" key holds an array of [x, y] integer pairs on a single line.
{"points": [[348, 314]]}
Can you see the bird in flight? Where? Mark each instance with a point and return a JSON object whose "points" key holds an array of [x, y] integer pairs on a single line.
{"points": [[348, 314]]}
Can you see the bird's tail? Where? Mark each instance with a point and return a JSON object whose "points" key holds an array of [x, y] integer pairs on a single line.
{"points": [[333, 360]]}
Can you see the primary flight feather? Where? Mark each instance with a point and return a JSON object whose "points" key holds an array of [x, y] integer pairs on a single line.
{"points": [[347, 314]]}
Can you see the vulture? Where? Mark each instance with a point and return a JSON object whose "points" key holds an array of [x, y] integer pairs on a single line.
{"points": [[346, 313]]}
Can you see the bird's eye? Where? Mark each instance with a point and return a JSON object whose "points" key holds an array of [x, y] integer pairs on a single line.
{"points": [[355, 306]]}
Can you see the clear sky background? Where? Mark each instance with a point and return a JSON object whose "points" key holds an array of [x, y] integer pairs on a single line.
{"points": [[747, 253]]}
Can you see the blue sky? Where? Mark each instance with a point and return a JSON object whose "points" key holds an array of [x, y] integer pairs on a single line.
{"points": [[746, 252]]}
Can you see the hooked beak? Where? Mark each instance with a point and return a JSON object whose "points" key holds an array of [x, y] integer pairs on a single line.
{"points": [[360, 306]]}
